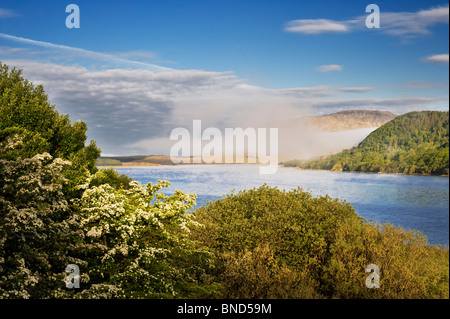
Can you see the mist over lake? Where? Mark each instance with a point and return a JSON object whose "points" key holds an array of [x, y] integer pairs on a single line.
{"points": [[412, 202]]}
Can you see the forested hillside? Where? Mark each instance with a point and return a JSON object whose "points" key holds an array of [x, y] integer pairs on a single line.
{"points": [[413, 143]]}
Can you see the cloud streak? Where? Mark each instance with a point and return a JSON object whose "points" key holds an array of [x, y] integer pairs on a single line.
{"points": [[441, 59], [318, 26], [7, 13], [402, 24], [356, 89], [84, 53], [329, 68]]}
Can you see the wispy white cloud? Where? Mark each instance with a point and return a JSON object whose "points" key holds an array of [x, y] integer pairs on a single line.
{"points": [[137, 55], [404, 24], [7, 13], [412, 24], [85, 53], [318, 26], [424, 85], [356, 89], [329, 68], [437, 59]]}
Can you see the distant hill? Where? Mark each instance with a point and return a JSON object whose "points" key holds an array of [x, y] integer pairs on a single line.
{"points": [[413, 143], [144, 160], [349, 120], [134, 160]]}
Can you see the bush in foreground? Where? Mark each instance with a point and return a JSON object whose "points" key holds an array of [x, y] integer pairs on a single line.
{"points": [[36, 225], [128, 242], [136, 244], [288, 244]]}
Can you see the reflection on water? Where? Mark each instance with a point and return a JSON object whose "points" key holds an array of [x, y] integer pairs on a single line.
{"points": [[414, 202]]}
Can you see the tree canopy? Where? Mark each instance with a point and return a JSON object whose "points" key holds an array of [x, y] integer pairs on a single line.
{"points": [[413, 143], [26, 112]]}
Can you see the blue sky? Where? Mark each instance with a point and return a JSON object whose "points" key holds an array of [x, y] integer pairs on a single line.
{"points": [[212, 59]]}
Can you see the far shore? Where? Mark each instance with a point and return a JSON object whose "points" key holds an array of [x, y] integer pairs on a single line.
{"points": [[357, 172], [139, 164], [142, 164], [133, 164]]}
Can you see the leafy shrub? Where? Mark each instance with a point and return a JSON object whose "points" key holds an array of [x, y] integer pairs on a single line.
{"points": [[136, 244], [257, 274], [409, 267], [111, 177], [36, 226], [26, 112], [267, 237]]}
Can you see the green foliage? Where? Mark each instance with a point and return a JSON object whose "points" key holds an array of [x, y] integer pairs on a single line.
{"points": [[136, 244], [409, 268], [314, 247], [30, 143], [128, 243], [111, 177], [125, 159], [413, 143], [26, 112], [256, 274], [297, 228], [36, 226], [108, 162]]}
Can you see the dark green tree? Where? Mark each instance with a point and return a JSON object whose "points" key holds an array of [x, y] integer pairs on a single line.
{"points": [[413, 143], [26, 112]]}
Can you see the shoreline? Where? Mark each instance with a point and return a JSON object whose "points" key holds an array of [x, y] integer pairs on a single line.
{"points": [[138, 164], [144, 164], [359, 172]]}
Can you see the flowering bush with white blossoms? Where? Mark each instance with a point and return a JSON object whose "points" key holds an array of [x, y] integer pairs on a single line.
{"points": [[128, 243], [136, 244], [35, 224]]}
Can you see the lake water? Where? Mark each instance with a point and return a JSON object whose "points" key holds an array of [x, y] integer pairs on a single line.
{"points": [[412, 202]]}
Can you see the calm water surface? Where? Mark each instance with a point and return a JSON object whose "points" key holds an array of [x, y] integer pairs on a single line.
{"points": [[414, 202]]}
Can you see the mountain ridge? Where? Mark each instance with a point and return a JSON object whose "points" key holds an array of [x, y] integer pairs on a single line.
{"points": [[413, 143], [351, 119]]}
